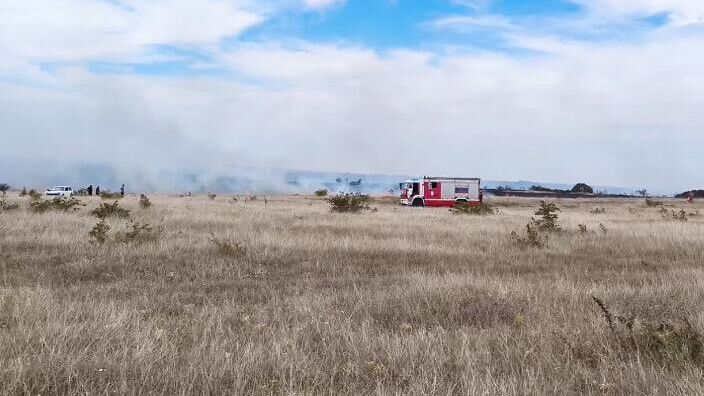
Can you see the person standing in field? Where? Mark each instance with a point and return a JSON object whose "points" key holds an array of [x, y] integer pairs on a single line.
{"points": [[90, 189], [122, 190], [97, 190]]}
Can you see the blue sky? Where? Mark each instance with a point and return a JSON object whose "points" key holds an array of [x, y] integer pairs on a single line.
{"points": [[603, 91]]}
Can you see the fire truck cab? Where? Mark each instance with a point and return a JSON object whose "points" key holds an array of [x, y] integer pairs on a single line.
{"points": [[441, 191]]}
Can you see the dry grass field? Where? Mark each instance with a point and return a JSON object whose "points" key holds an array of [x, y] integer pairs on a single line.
{"points": [[289, 298]]}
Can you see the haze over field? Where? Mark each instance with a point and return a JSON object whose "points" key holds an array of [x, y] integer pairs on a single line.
{"points": [[605, 91]]}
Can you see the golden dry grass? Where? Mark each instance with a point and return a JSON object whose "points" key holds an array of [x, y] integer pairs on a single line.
{"points": [[304, 301]]}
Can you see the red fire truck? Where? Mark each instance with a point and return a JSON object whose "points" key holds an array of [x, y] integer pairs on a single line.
{"points": [[441, 191]]}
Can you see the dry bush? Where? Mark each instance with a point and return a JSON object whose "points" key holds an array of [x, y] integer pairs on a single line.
{"points": [[532, 239], [5, 205], [212, 196], [70, 204], [321, 193], [99, 232], [478, 210], [105, 210], [680, 215], [228, 248], [144, 201], [598, 210], [140, 232], [665, 342], [33, 194]]}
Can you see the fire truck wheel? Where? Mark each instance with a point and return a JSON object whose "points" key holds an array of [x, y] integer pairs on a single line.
{"points": [[418, 202]]}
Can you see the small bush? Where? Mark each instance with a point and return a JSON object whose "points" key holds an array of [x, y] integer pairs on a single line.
{"points": [[212, 196], [110, 210], [548, 217], [349, 203], [228, 248], [603, 228], [321, 193], [597, 211], [144, 201], [99, 232], [532, 239], [583, 228], [480, 210], [4, 187]]}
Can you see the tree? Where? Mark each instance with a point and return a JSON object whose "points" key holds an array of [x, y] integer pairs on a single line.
{"points": [[642, 193], [582, 188], [4, 187]]}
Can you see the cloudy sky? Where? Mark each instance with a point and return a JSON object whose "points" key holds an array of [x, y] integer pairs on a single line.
{"points": [[610, 92]]}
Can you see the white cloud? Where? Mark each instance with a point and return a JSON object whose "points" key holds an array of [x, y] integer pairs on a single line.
{"points": [[681, 12], [69, 30], [321, 4]]}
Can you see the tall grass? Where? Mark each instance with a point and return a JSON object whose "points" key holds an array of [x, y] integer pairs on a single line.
{"points": [[402, 302]]}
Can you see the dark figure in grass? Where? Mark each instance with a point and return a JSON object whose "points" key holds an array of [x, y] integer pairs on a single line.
{"points": [[90, 190], [122, 191]]}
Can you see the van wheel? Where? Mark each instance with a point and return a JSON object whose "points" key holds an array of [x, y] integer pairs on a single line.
{"points": [[418, 202]]}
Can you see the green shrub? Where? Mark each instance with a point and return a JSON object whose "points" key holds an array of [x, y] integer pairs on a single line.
{"points": [[4, 187], [110, 210], [321, 193], [349, 203]]}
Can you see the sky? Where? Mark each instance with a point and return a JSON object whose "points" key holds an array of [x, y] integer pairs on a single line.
{"points": [[609, 92]]}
